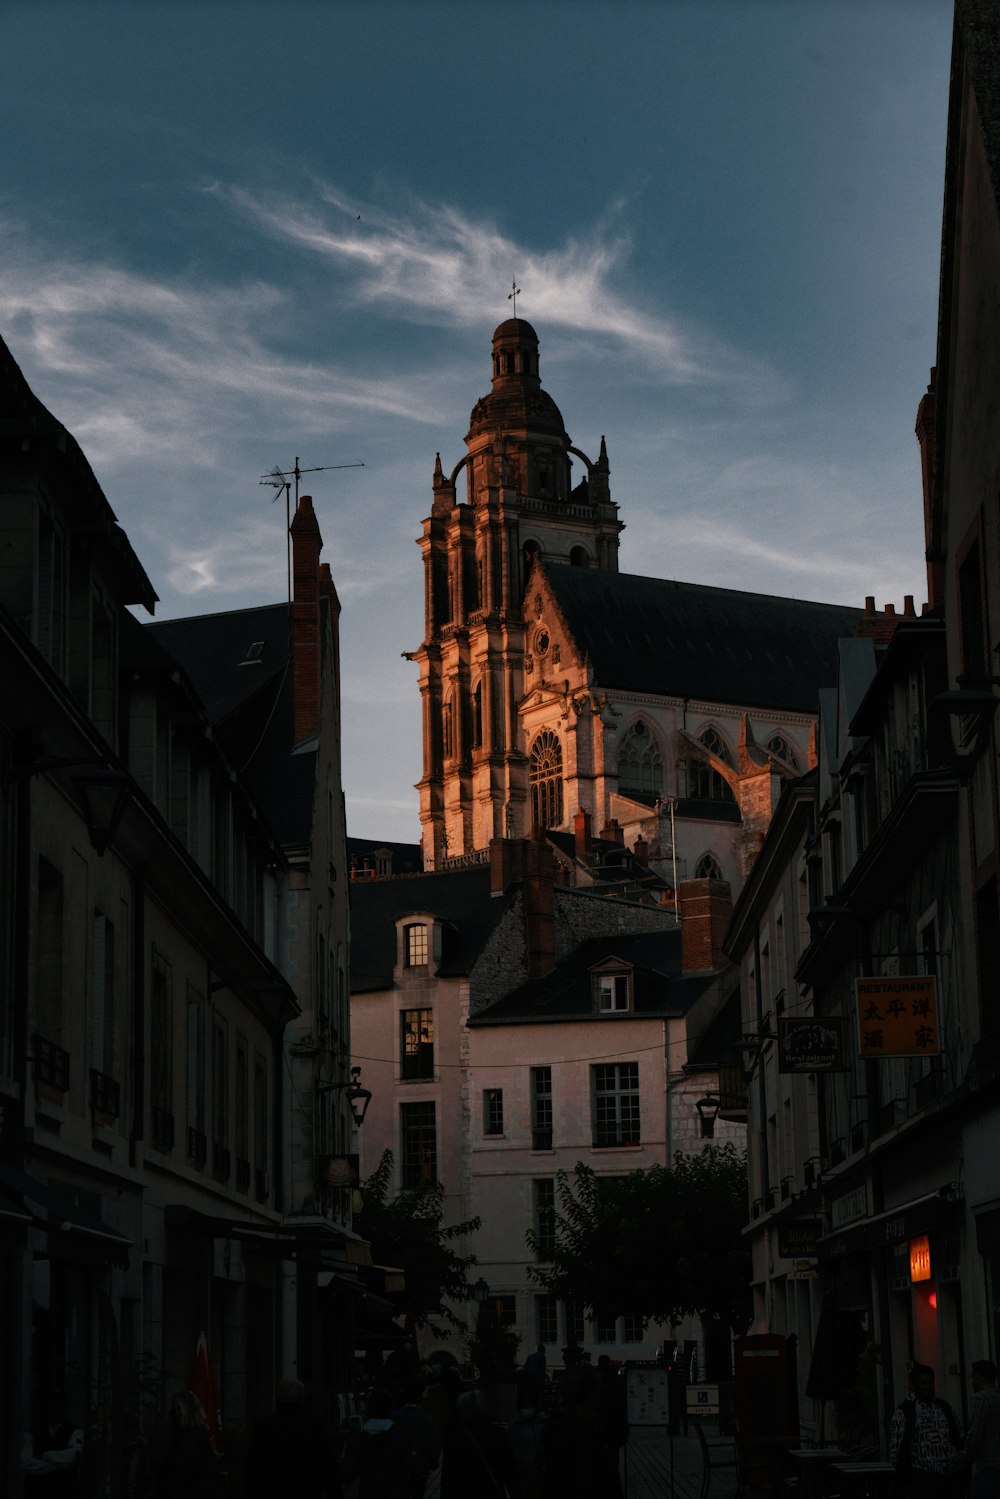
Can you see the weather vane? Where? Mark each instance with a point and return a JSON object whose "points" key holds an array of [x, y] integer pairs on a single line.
{"points": [[513, 294]]}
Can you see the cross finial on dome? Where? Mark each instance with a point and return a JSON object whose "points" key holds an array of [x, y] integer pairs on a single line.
{"points": [[513, 294]]}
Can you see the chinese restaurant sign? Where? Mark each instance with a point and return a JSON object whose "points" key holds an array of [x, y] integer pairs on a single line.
{"points": [[897, 1017]]}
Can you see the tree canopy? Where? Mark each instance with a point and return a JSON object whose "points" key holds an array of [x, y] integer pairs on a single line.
{"points": [[406, 1232], [662, 1243]]}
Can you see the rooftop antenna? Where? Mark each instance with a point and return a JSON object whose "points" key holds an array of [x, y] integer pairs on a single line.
{"points": [[279, 479], [513, 294]]}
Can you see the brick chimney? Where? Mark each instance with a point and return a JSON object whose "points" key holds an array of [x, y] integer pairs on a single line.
{"points": [[581, 835], [881, 627], [614, 832], [705, 910], [306, 634], [641, 850], [506, 863]]}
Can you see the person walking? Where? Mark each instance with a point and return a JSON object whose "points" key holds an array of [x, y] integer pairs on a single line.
{"points": [[580, 1462], [477, 1457], [420, 1437], [376, 1455], [982, 1440], [190, 1468], [924, 1441], [290, 1452]]}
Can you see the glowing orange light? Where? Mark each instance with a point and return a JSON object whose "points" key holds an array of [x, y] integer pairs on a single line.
{"points": [[920, 1258], [932, 1301]]}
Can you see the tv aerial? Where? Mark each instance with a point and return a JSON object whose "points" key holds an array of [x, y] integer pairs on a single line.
{"points": [[279, 479]]}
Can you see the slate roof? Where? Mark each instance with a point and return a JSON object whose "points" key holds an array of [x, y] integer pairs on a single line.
{"points": [[407, 858], [250, 703], [658, 986], [689, 640], [460, 898]]}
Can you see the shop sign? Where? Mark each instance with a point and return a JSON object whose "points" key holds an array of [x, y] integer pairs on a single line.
{"points": [[920, 1258], [808, 1043], [797, 1240], [897, 1017], [849, 1208]]}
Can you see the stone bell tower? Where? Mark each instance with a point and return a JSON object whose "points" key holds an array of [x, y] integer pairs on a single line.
{"points": [[520, 504]]}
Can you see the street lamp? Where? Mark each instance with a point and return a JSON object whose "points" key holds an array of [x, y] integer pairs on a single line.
{"points": [[708, 1111], [359, 1098]]}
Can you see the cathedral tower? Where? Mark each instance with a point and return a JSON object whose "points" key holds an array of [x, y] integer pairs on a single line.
{"points": [[520, 503]]}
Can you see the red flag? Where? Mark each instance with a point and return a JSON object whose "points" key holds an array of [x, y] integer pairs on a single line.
{"points": [[202, 1383]]}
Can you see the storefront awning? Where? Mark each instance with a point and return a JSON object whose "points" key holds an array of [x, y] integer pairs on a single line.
{"points": [[894, 1225], [318, 1239], [53, 1210]]}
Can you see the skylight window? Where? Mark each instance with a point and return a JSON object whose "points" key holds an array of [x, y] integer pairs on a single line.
{"points": [[254, 652]]}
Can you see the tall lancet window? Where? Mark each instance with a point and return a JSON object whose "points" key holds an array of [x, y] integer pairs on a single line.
{"points": [[546, 781], [640, 768]]}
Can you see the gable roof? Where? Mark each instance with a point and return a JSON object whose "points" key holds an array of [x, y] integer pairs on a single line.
{"points": [[689, 640], [459, 898]]}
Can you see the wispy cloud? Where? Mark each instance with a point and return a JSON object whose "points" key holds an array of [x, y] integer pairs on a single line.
{"points": [[155, 365], [438, 262]]}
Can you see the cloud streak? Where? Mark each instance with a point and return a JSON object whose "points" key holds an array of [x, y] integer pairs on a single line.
{"points": [[439, 262]]}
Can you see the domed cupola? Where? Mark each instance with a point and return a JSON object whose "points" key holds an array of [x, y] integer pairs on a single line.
{"points": [[517, 401]]}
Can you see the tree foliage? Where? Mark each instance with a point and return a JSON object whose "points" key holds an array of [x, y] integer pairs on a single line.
{"points": [[661, 1243], [406, 1232]]}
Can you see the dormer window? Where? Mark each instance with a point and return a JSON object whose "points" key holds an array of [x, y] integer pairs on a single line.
{"points": [[254, 653], [416, 945], [613, 992], [421, 943]]}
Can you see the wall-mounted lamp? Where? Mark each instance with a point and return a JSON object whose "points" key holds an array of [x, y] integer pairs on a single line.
{"points": [[708, 1111], [750, 1048], [104, 791], [359, 1098]]}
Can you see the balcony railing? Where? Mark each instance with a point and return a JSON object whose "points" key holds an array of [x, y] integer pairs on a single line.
{"points": [[197, 1148], [890, 1114], [221, 1162], [105, 1094], [163, 1129], [49, 1064]]}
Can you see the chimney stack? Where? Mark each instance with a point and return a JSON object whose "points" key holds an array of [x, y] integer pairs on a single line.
{"points": [[581, 835], [705, 910], [306, 633]]}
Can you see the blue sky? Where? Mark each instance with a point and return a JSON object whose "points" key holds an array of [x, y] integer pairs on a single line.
{"points": [[237, 233]]}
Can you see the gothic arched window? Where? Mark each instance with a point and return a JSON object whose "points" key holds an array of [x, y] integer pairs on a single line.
{"points": [[546, 781], [578, 557], [779, 746], [704, 781], [640, 767], [448, 729], [707, 868]]}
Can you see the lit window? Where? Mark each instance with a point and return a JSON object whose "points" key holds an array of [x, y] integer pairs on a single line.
{"points": [[616, 1103], [416, 1043], [614, 992], [418, 1141], [492, 1111], [416, 945]]}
